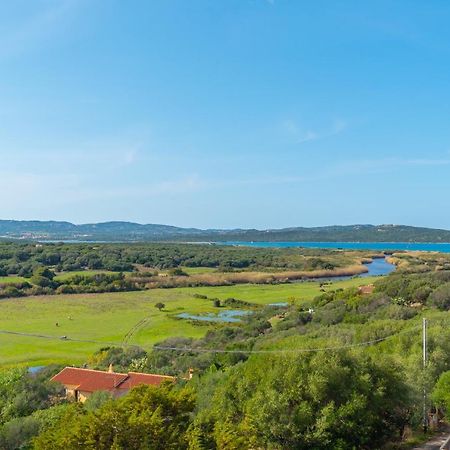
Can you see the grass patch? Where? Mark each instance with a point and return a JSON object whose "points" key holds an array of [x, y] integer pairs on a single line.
{"points": [[12, 280], [197, 270], [108, 317], [63, 276]]}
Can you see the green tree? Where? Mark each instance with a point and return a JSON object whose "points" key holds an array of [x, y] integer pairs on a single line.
{"points": [[324, 401], [147, 418], [441, 393], [441, 297], [97, 399], [43, 277]]}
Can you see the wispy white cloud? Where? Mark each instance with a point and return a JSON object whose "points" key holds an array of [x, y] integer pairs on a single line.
{"points": [[302, 135], [338, 126], [125, 148], [55, 193], [37, 27], [163, 188], [340, 170]]}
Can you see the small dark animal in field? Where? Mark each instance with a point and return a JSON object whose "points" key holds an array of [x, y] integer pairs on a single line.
{"points": [[57, 324]]}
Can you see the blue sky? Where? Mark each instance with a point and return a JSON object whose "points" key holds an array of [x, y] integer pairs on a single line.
{"points": [[225, 113]]}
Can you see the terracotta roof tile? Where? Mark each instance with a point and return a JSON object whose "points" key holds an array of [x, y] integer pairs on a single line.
{"points": [[135, 379], [97, 380]]}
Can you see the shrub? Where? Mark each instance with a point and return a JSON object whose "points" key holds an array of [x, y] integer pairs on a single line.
{"points": [[178, 272], [440, 297], [147, 417], [441, 393], [321, 401]]}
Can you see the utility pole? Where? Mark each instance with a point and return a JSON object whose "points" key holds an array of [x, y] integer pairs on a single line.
{"points": [[425, 358]]}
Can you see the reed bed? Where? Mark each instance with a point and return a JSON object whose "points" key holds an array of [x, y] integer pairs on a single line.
{"points": [[230, 278]]}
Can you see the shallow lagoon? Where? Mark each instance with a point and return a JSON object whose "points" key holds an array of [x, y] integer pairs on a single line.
{"points": [[225, 316], [378, 267]]}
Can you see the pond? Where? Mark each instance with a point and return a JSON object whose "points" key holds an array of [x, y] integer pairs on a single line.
{"points": [[379, 266], [225, 316]]}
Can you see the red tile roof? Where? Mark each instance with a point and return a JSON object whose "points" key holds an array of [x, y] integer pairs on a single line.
{"points": [[97, 380], [135, 379]]}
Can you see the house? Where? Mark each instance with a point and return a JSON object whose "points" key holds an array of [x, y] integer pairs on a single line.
{"points": [[82, 383]]}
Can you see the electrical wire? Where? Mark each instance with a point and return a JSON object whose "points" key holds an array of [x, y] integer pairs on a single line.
{"points": [[213, 350], [284, 351], [62, 338]]}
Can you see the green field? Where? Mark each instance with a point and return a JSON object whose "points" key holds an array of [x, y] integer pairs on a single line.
{"points": [[66, 275], [12, 279], [197, 270], [107, 318]]}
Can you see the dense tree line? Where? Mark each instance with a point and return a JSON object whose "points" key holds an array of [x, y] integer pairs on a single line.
{"points": [[22, 259], [43, 282], [38, 265]]}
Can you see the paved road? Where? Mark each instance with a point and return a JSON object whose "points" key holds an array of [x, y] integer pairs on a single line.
{"points": [[435, 443]]}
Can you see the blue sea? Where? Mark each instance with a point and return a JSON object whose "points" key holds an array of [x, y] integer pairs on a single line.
{"points": [[429, 247]]}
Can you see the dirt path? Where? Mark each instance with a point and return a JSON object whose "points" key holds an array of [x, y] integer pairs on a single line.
{"points": [[134, 330], [436, 442]]}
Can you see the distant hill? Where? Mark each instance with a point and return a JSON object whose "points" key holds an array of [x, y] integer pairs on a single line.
{"points": [[134, 232]]}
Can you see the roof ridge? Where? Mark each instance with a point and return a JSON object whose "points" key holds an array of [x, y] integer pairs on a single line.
{"points": [[150, 374], [120, 382], [93, 370]]}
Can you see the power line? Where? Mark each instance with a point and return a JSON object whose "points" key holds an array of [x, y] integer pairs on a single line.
{"points": [[216, 350], [195, 350], [284, 351], [61, 338]]}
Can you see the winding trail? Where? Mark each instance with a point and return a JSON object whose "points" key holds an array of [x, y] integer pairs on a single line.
{"points": [[136, 327], [436, 441]]}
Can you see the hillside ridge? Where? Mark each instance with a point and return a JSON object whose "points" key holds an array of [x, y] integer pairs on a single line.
{"points": [[134, 232]]}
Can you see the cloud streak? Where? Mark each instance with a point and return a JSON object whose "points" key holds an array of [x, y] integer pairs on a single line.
{"points": [[301, 135], [36, 28]]}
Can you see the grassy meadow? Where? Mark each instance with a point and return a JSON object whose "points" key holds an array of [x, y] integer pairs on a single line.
{"points": [[12, 279], [108, 318], [66, 275]]}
